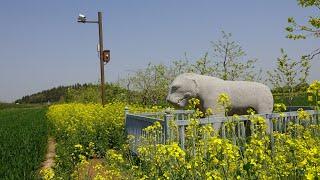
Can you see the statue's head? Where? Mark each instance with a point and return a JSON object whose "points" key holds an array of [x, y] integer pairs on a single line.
{"points": [[182, 89]]}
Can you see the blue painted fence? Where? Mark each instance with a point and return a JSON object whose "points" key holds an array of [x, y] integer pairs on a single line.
{"points": [[135, 123]]}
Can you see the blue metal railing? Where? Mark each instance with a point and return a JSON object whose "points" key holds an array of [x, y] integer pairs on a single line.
{"points": [[135, 123]]}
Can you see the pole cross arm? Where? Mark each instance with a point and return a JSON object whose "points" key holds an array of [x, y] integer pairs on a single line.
{"points": [[82, 21]]}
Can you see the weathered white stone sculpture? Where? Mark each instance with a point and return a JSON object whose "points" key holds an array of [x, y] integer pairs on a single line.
{"points": [[243, 94]]}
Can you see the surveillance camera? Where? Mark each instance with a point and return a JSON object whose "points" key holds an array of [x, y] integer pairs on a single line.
{"points": [[82, 18]]}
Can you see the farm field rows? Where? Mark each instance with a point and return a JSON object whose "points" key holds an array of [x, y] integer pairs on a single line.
{"points": [[23, 138]]}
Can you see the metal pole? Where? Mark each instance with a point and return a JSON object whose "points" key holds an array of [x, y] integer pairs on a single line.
{"points": [[101, 59]]}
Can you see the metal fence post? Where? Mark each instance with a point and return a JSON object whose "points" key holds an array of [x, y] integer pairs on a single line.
{"points": [[269, 120], [223, 130], [167, 132], [182, 136], [126, 111]]}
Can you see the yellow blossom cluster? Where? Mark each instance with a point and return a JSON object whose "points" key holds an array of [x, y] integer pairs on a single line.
{"points": [[162, 161], [224, 99], [314, 93], [303, 115], [114, 158], [314, 87], [47, 173], [279, 107]]}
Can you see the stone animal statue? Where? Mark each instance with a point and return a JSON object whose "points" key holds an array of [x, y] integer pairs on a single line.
{"points": [[243, 94]]}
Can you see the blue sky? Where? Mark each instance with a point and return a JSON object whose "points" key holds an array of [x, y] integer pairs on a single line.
{"points": [[42, 45]]}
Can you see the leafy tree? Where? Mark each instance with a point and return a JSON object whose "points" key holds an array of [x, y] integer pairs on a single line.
{"points": [[160, 83], [203, 66], [311, 29], [289, 74], [127, 83], [152, 83], [229, 64], [179, 67], [149, 86]]}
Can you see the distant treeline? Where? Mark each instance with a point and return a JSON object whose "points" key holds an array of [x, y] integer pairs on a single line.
{"points": [[51, 95], [85, 93]]}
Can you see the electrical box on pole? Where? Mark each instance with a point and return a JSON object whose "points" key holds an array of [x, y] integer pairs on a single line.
{"points": [[106, 56]]}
